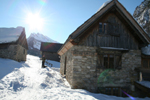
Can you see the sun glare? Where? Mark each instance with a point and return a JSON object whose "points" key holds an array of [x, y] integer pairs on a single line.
{"points": [[34, 21]]}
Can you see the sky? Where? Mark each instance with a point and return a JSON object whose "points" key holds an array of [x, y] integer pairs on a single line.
{"points": [[56, 19]]}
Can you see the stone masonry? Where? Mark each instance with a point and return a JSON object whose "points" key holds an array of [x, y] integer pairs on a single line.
{"points": [[15, 52], [82, 72]]}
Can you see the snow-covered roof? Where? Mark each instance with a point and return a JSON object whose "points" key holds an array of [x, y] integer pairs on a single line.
{"points": [[42, 38], [104, 4], [146, 50], [145, 83], [8, 35]]}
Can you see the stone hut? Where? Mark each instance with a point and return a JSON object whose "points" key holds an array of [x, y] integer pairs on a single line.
{"points": [[50, 50], [102, 53], [13, 43]]}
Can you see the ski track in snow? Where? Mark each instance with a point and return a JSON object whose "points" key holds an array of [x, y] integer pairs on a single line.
{"points": [[31, 82]]}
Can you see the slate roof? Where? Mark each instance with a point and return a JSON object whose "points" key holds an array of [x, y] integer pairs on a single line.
{"points": [[50, 47]]}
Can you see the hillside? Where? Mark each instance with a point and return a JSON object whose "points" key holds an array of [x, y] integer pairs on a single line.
{"points": [[34, 43]]}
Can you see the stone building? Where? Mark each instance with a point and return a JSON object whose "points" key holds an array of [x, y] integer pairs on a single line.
{"points": [[13, 43], [49, 50], [101, 55]]}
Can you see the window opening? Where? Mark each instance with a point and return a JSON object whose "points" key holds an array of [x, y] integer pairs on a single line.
{"points": [[105, 28], [100, 27], [65, 66], [109, 61]]}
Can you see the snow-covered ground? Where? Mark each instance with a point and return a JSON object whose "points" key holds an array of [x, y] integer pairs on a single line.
{"points": [[28, 81]]}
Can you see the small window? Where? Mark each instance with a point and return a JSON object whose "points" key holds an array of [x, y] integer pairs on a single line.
{"points": [[105, 28], [108, 61], [100, 27]]}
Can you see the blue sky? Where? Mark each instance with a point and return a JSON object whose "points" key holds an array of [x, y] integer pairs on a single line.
{"points": [[61, 17]]}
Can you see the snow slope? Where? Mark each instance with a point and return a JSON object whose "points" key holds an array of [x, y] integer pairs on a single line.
{"points": [[28, 81]]}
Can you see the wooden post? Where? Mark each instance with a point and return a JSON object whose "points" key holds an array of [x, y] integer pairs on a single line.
{"points": [[114, 60], [140, 76]]}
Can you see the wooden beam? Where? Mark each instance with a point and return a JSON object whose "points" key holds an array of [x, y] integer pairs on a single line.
{"points": [[65, 48]]}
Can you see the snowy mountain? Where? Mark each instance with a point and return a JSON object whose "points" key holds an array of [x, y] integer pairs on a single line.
{"points": [[34, 40], [28, 81], [142, 15], [34, 43]]}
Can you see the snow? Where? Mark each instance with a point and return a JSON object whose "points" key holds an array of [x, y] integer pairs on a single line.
{"points": [[146, 50], [145, 83], [36, 44], [8, 35], [38, 38], [141, 15], [55, 63], [28, 81], [42, 38], [104, 4]]}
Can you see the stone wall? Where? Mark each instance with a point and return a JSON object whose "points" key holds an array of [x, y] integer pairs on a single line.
{"points": [[21, 53], [124, 76], [69, 66], [84, 67], [130, 61], [82, 71], [15, 52]]}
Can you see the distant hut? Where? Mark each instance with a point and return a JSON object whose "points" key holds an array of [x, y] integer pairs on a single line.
{"points": [[50, 50], [13, 43]]}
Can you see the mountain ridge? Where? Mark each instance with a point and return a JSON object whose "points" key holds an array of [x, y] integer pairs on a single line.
{"points": [[34, 43], [142, 15]]}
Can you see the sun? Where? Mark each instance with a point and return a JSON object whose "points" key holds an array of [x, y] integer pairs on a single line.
{"points": [[34, 21]]}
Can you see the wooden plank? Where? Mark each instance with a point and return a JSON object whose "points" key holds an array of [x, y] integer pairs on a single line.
{"points": [[106, 41], [113, 41], [95, 38], [100, 41]]}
